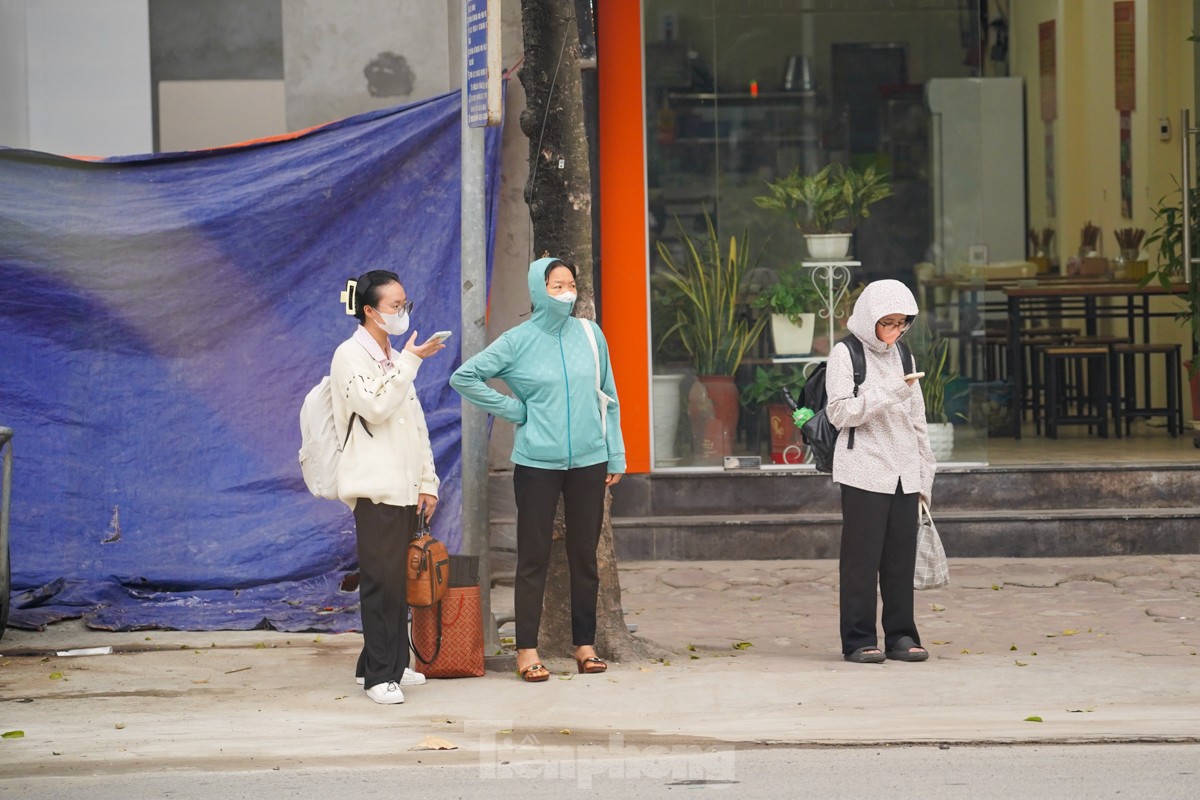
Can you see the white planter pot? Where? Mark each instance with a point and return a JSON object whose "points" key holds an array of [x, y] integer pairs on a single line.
{"points": [[827, 246], [941, 440], [791, 339], [666, 418]]}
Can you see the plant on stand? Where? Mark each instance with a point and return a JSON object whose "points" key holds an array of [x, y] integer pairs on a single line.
{"points": [[1169, 271], [793, 302], [711, 319], [827, 205]]}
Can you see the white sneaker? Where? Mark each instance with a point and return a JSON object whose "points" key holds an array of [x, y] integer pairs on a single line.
{"points": [[387, 694], [409, 678]]}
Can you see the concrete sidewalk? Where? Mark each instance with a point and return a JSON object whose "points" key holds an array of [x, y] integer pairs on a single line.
{"points": [[1101, 649]]}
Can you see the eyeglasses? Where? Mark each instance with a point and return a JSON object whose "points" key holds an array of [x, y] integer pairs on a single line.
{"points": [[900, 326], [406, 307]]}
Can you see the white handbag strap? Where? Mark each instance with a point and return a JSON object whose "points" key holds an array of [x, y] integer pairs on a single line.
{"points": [[923, 512], [600, 395]]}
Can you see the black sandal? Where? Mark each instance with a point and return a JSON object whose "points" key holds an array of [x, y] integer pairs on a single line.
{"points": [[902, 650], [865, 655]]}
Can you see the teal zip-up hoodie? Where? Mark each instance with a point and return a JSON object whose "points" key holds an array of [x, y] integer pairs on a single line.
{"points": [[548, 364]]}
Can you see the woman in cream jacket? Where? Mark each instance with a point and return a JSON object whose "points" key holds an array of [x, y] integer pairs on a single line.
{"points": [[386, 472]]}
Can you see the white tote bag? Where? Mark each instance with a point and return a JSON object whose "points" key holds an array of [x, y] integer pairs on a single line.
{"points": [[932, 571]]}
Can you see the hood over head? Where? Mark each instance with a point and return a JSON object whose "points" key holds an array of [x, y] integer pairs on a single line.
{"points": [[548, 314], [879, 299]]}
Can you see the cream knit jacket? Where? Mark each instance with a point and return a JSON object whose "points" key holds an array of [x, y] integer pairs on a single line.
{"points": [[394, 463], [891, 441]]}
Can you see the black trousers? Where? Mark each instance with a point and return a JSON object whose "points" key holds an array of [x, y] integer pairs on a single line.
{"points": [[879, 548], [537, 492], [383, 534]]}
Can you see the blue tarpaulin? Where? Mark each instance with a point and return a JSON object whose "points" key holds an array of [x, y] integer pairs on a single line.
{"points": [[162, 318]]}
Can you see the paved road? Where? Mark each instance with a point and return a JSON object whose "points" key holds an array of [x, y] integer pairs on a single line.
{"points": [[1095, 772]]}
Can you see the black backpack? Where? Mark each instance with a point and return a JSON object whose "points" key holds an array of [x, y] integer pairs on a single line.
{"points": [[819, 433]]}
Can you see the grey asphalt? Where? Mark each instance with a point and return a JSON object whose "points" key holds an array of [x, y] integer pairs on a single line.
{"points": [[1078, 650]]}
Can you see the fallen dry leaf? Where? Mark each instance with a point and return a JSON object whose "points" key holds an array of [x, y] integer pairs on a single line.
{"points": [[434, 743]]}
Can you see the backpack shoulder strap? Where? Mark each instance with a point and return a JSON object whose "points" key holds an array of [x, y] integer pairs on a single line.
{"points": [[858, 359]]}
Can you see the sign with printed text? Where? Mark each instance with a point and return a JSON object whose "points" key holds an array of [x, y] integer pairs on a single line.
{"points": [[483, 90]]}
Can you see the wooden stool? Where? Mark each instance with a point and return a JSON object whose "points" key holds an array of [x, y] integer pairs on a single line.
{"points": [[1128, 407], [1114, 368], [1095, 411]]}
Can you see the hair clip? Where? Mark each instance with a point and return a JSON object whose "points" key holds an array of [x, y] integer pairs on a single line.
{"points": [[350, 297]]}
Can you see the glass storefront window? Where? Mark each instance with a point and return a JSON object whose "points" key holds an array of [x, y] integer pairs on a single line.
{"points": [[739, 94]]}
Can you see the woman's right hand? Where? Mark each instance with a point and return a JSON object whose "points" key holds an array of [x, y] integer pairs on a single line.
{"points": [[430, 347]]}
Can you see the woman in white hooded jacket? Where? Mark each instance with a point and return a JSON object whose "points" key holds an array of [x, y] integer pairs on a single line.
{"points": [[882, 477]]}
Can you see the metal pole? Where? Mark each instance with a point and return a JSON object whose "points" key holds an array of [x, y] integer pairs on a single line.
{"points": [[476, 538], [6, 435], [1185, 141]]}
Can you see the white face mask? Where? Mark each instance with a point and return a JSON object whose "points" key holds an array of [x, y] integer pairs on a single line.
{"points": [[565, 297], [395, 324]]}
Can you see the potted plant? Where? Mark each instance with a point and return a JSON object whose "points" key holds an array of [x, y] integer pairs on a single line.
{"points": [[766, 392], [793, 302], [932, 354], [1168, 235], [711, 320], [827, 205]]}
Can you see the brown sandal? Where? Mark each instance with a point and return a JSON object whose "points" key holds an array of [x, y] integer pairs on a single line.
{"points": [[528, 675], [591, 665]]}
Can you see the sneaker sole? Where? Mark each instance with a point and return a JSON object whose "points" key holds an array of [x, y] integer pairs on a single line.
{"points": [[407, 680]]}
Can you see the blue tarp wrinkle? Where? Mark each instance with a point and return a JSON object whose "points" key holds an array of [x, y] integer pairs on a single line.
{"points": [[161, 319]]}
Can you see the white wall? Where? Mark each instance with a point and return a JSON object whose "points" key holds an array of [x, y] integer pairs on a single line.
{"points": [[326, 47], [14, 99], [89, 77]]}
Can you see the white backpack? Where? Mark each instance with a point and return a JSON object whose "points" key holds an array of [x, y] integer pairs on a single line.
{"points": [[319, 446]]}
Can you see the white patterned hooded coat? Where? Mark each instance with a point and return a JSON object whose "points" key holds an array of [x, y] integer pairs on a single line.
{"points": [[891, 442]]}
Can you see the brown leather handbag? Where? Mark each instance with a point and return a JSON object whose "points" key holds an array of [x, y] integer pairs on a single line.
{"points": [[428, 567]]}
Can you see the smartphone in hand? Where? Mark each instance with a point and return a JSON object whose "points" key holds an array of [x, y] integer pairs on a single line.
{"points": [[441, 336]]}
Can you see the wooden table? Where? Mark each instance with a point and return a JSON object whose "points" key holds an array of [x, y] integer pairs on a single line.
{"points": [[1131, 302]]}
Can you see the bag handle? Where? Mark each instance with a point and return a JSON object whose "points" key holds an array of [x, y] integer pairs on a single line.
{"points": [[422, 528], [438, 649], [600, 395]]}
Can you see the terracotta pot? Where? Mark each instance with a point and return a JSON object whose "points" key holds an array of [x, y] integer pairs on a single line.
{"points": [[724, 395]]}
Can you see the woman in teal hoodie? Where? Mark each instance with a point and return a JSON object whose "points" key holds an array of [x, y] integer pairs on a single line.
{"points": [[568, 442]]}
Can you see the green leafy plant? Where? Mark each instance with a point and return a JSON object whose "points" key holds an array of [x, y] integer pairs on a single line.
{"points": [[1168, 235], [768, 385], [710, 315], [833, 200], [932, 354], [794, 294]]}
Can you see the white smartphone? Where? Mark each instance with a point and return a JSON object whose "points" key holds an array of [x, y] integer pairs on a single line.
{"points": [[912, 375], [441, 336]]}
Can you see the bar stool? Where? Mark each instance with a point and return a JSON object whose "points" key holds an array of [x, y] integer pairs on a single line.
{"points": [[1127, 409], [1056, 359], [1114, 368], [1032, 345]]}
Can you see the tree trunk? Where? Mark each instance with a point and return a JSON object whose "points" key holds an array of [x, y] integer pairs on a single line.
{"points": [[560, 207]]}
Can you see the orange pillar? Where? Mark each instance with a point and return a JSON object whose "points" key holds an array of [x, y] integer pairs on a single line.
{"points": [[624, 287]]}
